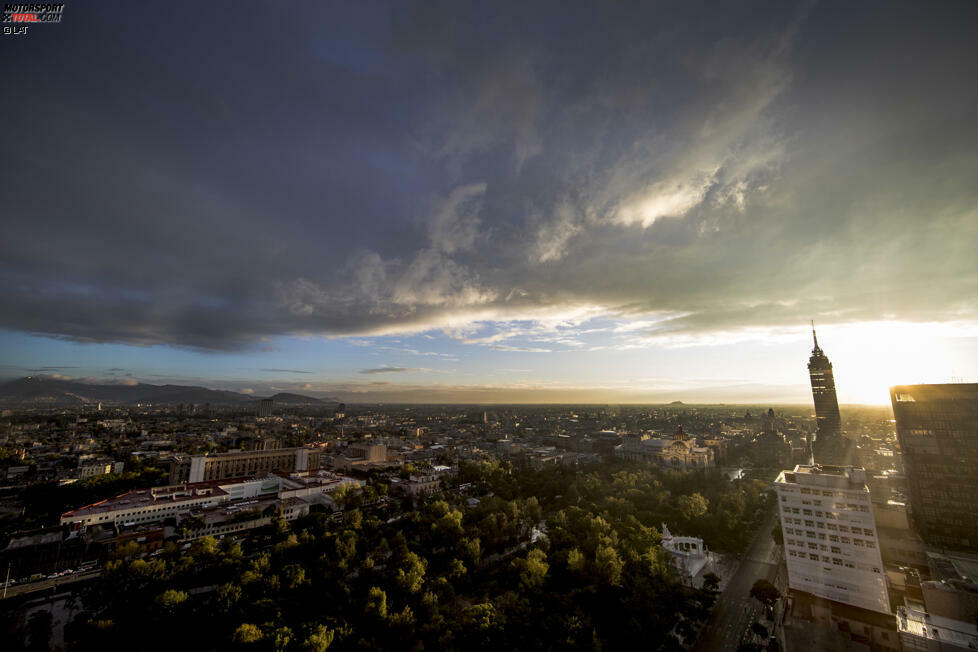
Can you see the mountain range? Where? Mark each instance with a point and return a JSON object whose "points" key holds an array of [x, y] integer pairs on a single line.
{"points": [[44, 390]]}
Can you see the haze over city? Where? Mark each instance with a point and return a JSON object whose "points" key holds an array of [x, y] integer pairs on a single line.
{"points": [[449, 202]]}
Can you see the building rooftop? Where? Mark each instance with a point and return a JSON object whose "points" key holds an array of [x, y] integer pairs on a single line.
{"points": [[305, 479], [242, 453], [919, 623], [953, 565], [221, 513], [146, 497], [819, 475], [910, 393], [38, 539]]}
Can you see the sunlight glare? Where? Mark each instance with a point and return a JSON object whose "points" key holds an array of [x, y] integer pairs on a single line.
{"points": [[870, 357]]}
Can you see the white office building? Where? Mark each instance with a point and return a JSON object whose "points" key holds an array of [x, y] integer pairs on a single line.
{"points": [[831, 546]]}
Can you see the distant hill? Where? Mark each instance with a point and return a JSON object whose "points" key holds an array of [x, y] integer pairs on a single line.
{"points": [[298, 399], [44, 390]]}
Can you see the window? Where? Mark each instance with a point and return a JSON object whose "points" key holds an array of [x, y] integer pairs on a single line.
{"points": [[837, 550], [833, 527], [836, 561], [808, 512], [843, 528], [813, 557], [857, 530], [846, 540]]}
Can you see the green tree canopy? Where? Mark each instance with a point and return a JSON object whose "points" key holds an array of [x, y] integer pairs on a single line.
{"points": [[765, 592]]}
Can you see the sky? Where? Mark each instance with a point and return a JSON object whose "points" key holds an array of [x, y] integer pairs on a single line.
{"points": [[493, 202]]}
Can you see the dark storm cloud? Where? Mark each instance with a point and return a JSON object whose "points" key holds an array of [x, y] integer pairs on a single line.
{"points": [[389, 370], [365, 170]]}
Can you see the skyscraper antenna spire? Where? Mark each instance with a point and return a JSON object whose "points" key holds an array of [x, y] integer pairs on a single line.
{"points": [[827, 419]]}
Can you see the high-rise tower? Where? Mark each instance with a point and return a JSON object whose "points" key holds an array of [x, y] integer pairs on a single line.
{"points": [[937, 426], [831, 547], [827, 417]]}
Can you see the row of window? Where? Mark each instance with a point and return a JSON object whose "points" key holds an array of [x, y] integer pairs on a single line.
{"points": [[818, 503], [859, 543], [835, 561], [808, 491], [821, 514], [835, 528], [140, 515]]}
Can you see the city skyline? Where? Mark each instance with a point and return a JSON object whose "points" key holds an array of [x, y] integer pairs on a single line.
{"points": [[458, 203], [402, 378]]}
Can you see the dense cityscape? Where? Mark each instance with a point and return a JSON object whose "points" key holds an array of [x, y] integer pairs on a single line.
{"points": [[295, 522]]}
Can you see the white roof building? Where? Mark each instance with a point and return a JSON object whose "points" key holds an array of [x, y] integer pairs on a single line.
{"points": [[688, 553], [831, 546]]}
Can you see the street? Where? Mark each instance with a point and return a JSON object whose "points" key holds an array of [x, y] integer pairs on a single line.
{"points": [[735, 609], [42, 585]]}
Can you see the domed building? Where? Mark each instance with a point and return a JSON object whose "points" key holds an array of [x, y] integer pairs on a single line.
{"points": [[679, 452]]}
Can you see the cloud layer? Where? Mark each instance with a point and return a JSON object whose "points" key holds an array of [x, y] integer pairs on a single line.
{"points": [[488, 171]]}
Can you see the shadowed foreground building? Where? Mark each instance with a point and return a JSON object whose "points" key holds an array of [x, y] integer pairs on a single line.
{"points": [[943, 615], [937, 426]]}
